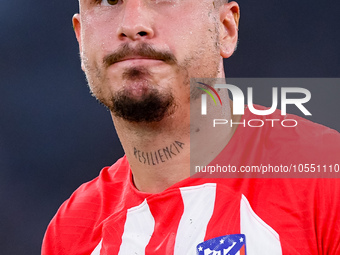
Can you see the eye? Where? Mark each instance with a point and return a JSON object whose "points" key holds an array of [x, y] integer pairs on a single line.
{"points": [[110, 2]]}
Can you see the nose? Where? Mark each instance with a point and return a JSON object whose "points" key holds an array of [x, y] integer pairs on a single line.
{"points": [[136, 22]]}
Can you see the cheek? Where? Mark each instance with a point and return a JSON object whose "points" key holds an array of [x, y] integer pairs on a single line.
{"points": [[97, 33], [190, 34]]}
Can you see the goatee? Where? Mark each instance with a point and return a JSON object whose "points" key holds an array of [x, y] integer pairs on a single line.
{"points": [[152, 106]]}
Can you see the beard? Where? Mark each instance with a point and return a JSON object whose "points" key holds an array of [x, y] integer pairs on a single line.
{"points": [[151, 106], [148, 103]]}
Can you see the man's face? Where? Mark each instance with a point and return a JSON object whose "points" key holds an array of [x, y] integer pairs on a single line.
{"points": [[139, 55]]}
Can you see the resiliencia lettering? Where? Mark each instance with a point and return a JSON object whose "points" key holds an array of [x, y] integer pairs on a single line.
{"points": [[159, 156]]}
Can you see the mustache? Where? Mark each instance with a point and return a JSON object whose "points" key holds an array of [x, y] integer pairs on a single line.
{"points": [[142, 50]]}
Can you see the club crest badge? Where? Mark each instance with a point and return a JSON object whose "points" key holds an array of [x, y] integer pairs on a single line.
{"points": [[224, 245]]}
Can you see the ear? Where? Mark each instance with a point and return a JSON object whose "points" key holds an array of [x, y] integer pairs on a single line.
{"points": [[229, 18], [77, 30]]}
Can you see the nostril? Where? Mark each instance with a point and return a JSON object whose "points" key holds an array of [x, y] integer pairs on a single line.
{"points": [[139, 34], [142, 33]]}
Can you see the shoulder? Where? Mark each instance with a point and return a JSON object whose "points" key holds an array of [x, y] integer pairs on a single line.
{"points": [[82, 214], [90, 194], [311, 139], [296, 135], [277, 140]]}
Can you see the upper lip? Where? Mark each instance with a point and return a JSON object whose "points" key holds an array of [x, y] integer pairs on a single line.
{"points": [[136, 57]]}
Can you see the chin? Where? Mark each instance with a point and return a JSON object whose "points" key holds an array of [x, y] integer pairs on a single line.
{"points": [[142, 104]]}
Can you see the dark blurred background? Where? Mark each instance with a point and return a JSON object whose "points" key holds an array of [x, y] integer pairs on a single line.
{"points": [[54, 136]]}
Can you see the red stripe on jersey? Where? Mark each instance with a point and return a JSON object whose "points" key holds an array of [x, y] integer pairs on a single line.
{"points": [[226, 217], [166, 222], [113, 229]]}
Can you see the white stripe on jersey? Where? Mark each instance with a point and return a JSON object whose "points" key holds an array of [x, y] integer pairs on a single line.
{"points": [[138, 230], [260, 237], [199, 204]]}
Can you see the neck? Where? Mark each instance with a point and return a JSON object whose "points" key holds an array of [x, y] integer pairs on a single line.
{"points": [[158, 153]]}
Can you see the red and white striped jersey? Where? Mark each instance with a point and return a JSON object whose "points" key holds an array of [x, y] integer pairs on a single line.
{"points": [[109, 216]]}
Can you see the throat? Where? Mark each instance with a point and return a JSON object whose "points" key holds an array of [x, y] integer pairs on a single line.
{"points": [[159, 156], [158, 168]]}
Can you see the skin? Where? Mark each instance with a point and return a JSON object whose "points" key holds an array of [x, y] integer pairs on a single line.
{"points": [[198, 34]]}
